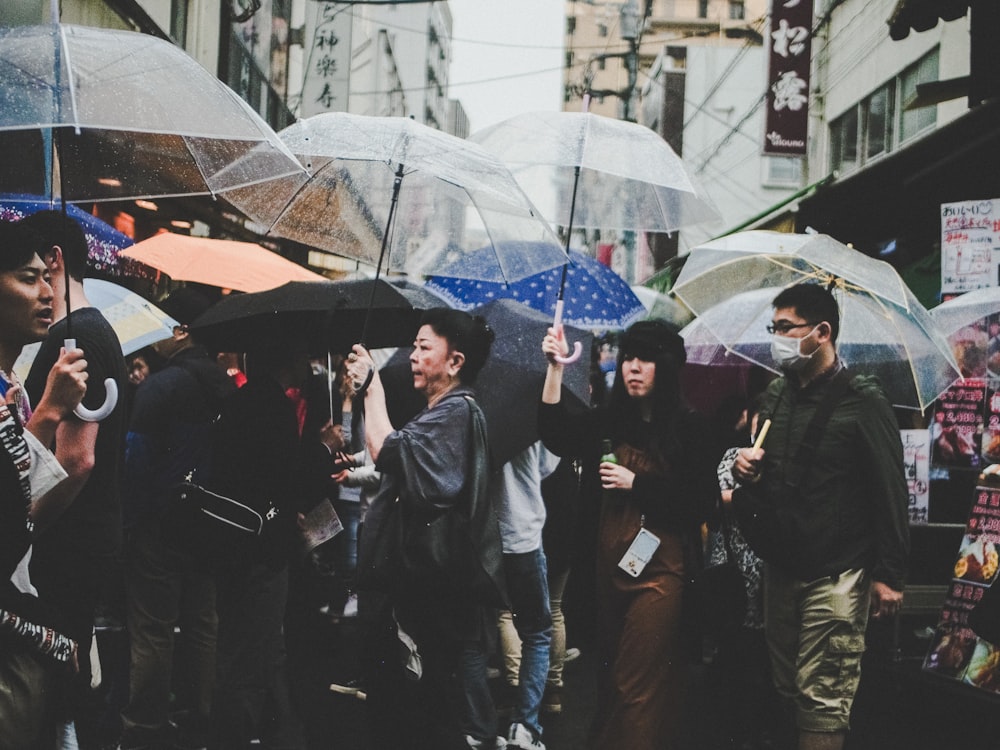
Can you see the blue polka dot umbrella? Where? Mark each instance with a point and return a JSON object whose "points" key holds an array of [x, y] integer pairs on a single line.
{"points": [[595, 297]]}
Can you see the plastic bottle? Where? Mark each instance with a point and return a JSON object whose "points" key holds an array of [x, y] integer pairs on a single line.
{"points": [[607, 453]]}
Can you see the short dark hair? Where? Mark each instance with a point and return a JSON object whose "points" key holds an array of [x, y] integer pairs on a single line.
{"points": [[56, 228], [18, 243], [813, 302], [468, 334]]}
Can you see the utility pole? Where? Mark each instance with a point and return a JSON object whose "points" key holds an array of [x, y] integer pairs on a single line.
{"points": [[629, 23]]}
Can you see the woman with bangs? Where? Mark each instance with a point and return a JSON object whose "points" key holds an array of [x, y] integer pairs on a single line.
{"points": [[658, 486]]}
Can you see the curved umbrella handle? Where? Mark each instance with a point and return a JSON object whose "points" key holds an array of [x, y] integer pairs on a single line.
{"points": [[577, 346], [110, 400]]}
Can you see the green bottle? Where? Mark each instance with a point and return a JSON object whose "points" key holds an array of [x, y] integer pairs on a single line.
{"points": [[607, 452]]}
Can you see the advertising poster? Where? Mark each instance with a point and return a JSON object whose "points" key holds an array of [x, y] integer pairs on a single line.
{"points": [[917, 466], [957, 429], [955, 652], [970, 245]]}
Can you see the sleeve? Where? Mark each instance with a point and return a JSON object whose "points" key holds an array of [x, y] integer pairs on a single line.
{"points": [[879, 436], [568, 434], [429, 455]]}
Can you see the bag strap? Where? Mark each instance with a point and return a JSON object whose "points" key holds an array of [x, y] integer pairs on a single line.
{"points": [[839, 385]]}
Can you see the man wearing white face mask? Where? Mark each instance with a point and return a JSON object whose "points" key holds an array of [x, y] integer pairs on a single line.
{"points": [[823, 502]]}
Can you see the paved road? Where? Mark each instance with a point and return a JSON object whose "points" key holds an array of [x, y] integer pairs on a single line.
{"points": [[898, 707]]}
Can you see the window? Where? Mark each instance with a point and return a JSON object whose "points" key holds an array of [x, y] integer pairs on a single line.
{"points": [[737, 10], [877, 126], [879, 123], [784, 171], [570, 24], [918, 120], [844, 140], [602, 29], [569, 59], [702, 8]]}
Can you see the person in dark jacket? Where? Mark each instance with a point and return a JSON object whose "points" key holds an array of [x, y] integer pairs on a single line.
{"points": [[436, 465], [169, 583], [839, 523], [658, 477]]}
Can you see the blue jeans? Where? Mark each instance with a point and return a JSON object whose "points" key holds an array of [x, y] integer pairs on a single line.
{"points": [[528, 590]]}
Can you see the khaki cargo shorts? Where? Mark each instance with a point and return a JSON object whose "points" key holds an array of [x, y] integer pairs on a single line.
{"points": [[816, 637]]}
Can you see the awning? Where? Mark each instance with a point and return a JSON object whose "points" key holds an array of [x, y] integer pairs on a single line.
{"points": [[922, 15]]}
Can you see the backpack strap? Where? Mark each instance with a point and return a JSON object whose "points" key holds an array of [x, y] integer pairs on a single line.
{"points": [[839, 385]]}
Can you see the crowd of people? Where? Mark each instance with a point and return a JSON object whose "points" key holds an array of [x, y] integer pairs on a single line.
{"points": [[451, 565]]}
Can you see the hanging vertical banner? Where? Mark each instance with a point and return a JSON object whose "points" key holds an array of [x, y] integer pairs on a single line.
{"points": [[790, 38], [970, 245], [917, 466], [327, 66], [955, 652]]}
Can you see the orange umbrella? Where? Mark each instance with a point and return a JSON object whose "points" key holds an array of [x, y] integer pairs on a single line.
{"points": [[243, 266]]}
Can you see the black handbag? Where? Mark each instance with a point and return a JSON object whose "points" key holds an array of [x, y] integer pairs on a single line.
{"points": [[719, 594], [213, 525]]}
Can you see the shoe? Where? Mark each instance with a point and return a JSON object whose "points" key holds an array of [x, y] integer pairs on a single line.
{"points": [[571, 654], [522, 738], [351, 606], [552, 700]]}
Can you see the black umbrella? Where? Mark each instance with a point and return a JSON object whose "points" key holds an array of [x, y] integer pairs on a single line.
{"points": [[509, 386], [329, 315]]}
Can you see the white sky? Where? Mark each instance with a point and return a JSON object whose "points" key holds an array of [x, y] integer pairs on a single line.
{"points": [[509, 53]]}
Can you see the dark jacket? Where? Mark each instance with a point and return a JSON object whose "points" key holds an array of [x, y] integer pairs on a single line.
{"points": [[850, 510], [676, 501], [170, 432]]}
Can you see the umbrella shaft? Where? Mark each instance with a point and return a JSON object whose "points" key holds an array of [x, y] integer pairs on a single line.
{"points": [[569, 229], [396, 184]]}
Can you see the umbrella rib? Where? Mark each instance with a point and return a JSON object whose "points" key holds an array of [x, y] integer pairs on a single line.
{"points": [[64, 46]]}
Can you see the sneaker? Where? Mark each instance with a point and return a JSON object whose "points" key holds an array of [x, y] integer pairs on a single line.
{"points": [[523, 738], [571, 654], [351, 606], [552, 700]]}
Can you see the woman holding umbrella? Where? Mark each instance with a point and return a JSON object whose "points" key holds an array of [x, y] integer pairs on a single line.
{"points": [[657, 473], [421, 596]]}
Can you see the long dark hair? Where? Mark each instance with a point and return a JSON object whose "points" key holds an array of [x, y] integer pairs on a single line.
{"points": [[657, 342]]}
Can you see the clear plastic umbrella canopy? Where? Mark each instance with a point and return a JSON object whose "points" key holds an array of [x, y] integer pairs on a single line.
{"points": [[629, 177], [885, 330], [428, 196], [971, 323], [129, 115]]}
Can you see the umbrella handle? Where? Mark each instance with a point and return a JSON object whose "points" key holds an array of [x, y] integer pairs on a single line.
{"points": [[110, 400], [577, 346]]}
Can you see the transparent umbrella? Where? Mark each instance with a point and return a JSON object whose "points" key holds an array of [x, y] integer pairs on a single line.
{"points": [[971, 323], [884, 329], [402, 197], [625, 175], [95, 114], [98, 114]]}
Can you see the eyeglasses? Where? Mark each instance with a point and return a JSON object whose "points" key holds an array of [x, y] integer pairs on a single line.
{"points": [[783, 327]]}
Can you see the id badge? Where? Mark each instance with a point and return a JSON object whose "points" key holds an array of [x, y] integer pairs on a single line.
{"points": [[639, 552]]}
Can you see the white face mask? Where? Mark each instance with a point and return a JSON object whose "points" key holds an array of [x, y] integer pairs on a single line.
{"points": [[787, 352]]}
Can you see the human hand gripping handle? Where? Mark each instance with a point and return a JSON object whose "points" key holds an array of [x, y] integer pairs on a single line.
{"points": [[558, 326], [746, 468], [110, 398], [360, 368]]}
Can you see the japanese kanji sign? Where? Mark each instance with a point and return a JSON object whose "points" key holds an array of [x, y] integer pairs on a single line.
{"points": [[955, 651], [970, 245], [327, 66], [787, 119]]}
